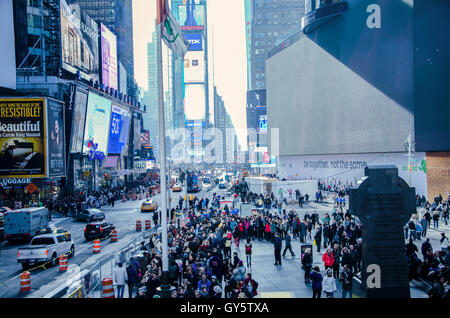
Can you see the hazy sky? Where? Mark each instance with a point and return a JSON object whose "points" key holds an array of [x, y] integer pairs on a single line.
{"points": [[227, 19]]}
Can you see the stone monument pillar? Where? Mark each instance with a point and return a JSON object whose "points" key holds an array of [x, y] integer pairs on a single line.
{"points": [[384, 203]]}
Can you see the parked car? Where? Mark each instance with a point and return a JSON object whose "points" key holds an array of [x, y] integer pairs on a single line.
{"points": [[222, 185], [90, 215], [97, 230], [149, 205], [45, 248], [24, 224]]}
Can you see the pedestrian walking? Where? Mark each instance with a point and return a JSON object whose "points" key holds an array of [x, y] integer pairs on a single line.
{"points": [[288, 246], [278, 244], [120, 278]]}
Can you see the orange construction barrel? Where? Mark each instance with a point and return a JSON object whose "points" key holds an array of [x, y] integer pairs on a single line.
{"points": [[63, 263], [108, 288], [138, 225], [25, 282], [148, 225], [114, 236], [96, 246]]}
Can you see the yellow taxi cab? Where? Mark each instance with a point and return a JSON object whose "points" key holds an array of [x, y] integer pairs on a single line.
{"points": [[149, 205], [177, 188]]}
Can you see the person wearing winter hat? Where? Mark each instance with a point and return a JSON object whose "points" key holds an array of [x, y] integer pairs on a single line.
{"points": [[329, 284]]}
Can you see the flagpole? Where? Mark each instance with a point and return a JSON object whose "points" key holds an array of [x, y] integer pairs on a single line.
{"points": [[165, 287]]}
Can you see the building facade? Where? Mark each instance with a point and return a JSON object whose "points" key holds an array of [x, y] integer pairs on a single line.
{"points": [[350, 102], [267, 21], [117, 15]]}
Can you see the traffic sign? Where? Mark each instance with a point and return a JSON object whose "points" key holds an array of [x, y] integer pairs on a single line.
{"points": [[31, 188]]}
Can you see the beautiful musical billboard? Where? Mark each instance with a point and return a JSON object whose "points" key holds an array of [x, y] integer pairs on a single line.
{"points": [[23, 137]]}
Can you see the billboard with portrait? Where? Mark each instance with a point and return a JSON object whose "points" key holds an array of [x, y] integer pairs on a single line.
{"points": [[119, 129], [194, 67], [108, 44], [23, 137], [56, 138], [194, 102], [98, 116], [79, 116], [79, 42]]}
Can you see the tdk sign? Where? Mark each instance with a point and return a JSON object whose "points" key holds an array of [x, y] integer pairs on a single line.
{"points": [[195, 41]]}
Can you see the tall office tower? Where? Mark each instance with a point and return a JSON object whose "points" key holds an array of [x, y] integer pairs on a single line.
{"points": [[267, 22], [151, 95], [117, 15], [223, 122]]}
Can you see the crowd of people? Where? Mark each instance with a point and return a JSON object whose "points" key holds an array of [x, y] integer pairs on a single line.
{"points": [[210, 256]]}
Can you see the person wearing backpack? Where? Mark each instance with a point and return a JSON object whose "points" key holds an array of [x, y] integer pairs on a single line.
{"points": [[248, 252]]}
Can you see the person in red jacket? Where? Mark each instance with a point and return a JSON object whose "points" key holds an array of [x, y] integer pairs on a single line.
{"points": [[328, 259]]}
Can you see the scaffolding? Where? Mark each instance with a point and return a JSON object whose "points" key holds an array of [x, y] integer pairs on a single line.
{"points": [[52, 37]]}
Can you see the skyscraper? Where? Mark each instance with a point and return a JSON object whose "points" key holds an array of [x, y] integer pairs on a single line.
{"points": [[266, 22], [151, 95], [117, 15]]}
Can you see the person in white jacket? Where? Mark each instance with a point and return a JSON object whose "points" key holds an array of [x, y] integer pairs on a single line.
{"points": [[329, 284], [120, 278]]}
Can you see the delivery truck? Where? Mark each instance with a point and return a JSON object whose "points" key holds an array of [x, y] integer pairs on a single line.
{"points": [[24, 224]]}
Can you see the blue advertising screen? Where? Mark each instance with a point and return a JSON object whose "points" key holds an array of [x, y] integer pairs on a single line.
{"points": [[97, 126], [195, 41], [119, 129]]}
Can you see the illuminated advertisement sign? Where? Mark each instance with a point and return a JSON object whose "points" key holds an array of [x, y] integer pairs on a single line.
{"points": [[79, 115], [194, 67], [195, 41], [56, 138], [192, 16], [109, 57], [119, 129], [256, 98], [194, 102], [98, 117], [79, 42], [23, 138], [145, 139], [262, 126]]}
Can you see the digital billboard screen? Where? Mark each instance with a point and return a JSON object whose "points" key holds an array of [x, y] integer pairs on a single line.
{"points": [[119, 129], [56, 138], [256, 98], [79, 42], [79, 116], [192, 16], [194, 67], [23, 137], [108, 43], [194, 102], [98, 116]]}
